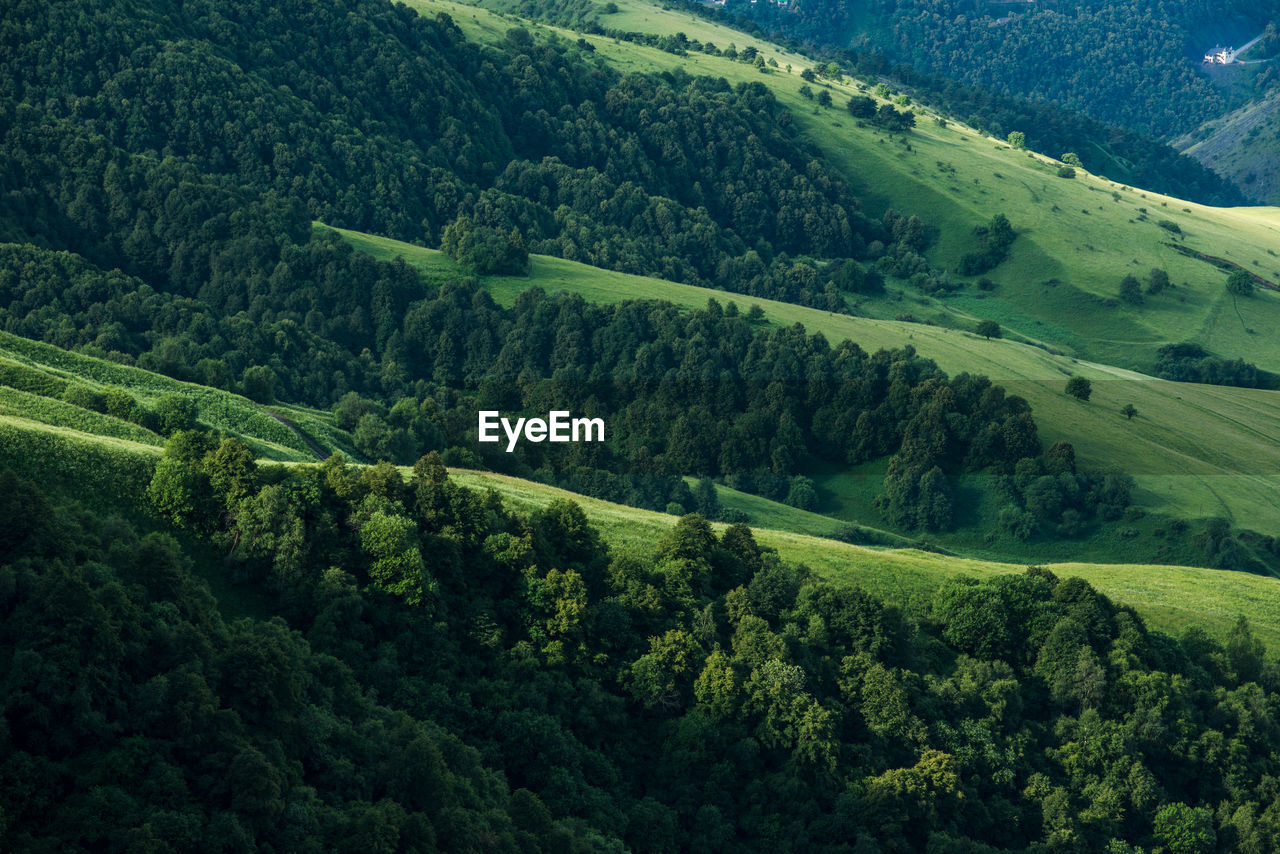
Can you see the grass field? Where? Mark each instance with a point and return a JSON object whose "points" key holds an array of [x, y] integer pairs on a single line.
{"points": [[44, 370], [1078, 237], [1170, 597], [1196, 450]]}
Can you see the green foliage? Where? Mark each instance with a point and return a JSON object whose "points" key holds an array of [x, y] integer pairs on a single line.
{"points": [[485, 250], [1157, 281], [1072, 159], [1066, 172], [397, 566], [988, 329], [101, 472], [802, 494], [552, 664], [862, 107], [1079, 387], [1192, 363], [994, 240], [1131, 290], [1185, 830], [1129, 411], [176, 412], [1240, 284], [1017, 139], [60, 414], [1107, 65], [824, 98]]}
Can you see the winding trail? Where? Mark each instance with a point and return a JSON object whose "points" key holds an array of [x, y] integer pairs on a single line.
{"points": [[310, 443]]}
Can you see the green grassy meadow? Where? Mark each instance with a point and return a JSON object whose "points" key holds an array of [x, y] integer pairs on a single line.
{"points": [[42, 371]]}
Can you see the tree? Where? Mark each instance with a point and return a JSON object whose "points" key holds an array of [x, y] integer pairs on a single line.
{"points": [[824, 98], [1183, 829], [1129, 411], [862, 107], [258, 382], [988, 329], [1067, 172], [1131, 290], [1079, 388], [1018, 139], [1157, 281], [707, 499], [391, 541], [808, 76], [176, 412], [484, 249], [806, 92], [1072, 159], [1240, 284], [802, 493]]}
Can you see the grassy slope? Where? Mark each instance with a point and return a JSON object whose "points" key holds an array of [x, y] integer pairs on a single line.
{"points": [[230, 413], [1196, 450], [1243, 147], [1171, 597], [1074, 233]]}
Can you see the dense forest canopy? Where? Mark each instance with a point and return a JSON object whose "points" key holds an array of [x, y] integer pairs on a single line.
{"points": [[442, 673], [399, 126]]}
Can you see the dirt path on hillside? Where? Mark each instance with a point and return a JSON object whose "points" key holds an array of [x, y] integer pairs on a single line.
{"points": [[310, 443]]}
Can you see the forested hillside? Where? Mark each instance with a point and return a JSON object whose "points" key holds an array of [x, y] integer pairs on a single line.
{"points": [[401, 131], [192, 176], [464, 678], [1133, 63], [1115, 148], [393, 662]]}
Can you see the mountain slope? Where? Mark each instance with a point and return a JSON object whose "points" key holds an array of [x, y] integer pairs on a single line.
{"points": [[114, 472], [1077, 238], [1242, 146], [1195, 450]]}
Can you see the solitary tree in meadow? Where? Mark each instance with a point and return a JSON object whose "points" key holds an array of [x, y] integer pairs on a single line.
{"points": [[1131, 290], [988, 329], [1240, 284], [1079, 388]]}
